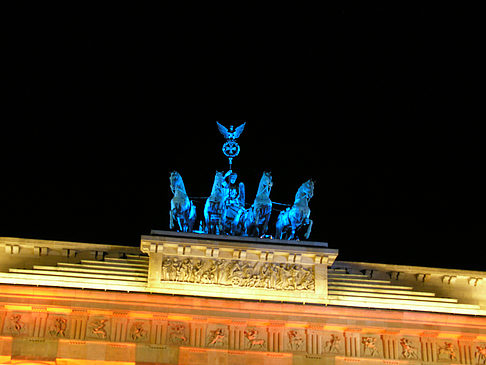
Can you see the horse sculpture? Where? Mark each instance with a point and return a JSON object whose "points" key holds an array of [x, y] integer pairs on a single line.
{"points": [[296, 217], [214, 207], [182, 210], [254, 221]]}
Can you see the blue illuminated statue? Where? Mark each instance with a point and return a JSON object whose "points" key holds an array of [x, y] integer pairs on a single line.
{"points": [[254, 221], [214, 207], [234, 201], [182, 210], [296, 218], [224, 210], [231, 148]]}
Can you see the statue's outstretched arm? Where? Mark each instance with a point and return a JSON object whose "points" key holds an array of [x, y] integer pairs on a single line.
{"points": [[227, 174]]}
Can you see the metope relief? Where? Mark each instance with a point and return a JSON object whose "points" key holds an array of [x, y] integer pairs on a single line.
{"points": [[370, 346], [57, 326], [333, 344], [237, 273], [217, 337], [15, 324], [98, 328], [254, 339], [138, 331], [408, 349], [296, 340], [446, 351], [480, 354], [177, 333]]}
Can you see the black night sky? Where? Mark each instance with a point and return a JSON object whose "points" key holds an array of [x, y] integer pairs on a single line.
{"points": [[372, 103]]}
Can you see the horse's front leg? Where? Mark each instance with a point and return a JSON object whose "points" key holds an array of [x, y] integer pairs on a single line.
{"points": [[294, 225], [307, 234], [267, 220]]}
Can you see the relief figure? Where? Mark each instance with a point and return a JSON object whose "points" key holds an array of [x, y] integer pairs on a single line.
{"points": [[238, 273]]}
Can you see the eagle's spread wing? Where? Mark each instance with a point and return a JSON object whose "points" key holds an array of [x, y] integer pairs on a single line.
{"points": [[239, 130], [223, 130]]}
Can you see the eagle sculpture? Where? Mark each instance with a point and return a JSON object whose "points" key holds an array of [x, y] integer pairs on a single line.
{"points": [[232, 133]]}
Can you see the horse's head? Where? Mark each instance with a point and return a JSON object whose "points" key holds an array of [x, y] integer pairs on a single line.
{"points": [[266, 183], [217, 184], [176, 182], [306, 190], [219, 176], [309, 188]]}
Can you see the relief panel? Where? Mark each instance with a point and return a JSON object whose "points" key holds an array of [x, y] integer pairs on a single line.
{"points": [[138, 330], [178, 333], [217, 336], [17, 323], [295, 340], [333, 343], [236, 273], [409, 348], [98, 328], [371, 345], [58, 326], [479, 350], [256, 338], [447, 351]]}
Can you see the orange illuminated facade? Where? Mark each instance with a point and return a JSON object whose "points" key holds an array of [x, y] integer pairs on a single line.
{"points": [[189, 299]]}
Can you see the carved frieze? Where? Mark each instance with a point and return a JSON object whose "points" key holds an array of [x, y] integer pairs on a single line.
{"points": [[480, 353], [312, 340], [138, 331], [57, 326], [409, 348], [333, 343], [296, 340], [238, 273], [16, 324], [217, 336], [178, 333], [98, 328], [447, 351], [370, 346], [255, 339]]}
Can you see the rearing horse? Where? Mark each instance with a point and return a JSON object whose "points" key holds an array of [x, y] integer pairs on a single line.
{"points": [[213, 209], [296, 217], [254, 221], [182, 210]]}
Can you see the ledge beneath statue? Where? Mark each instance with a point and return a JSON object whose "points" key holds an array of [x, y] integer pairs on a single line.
{"points": [[237, 267], [215, 237]]}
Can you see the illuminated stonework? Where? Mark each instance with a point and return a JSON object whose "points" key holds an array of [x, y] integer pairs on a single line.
{"points": [[374, 313]]}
